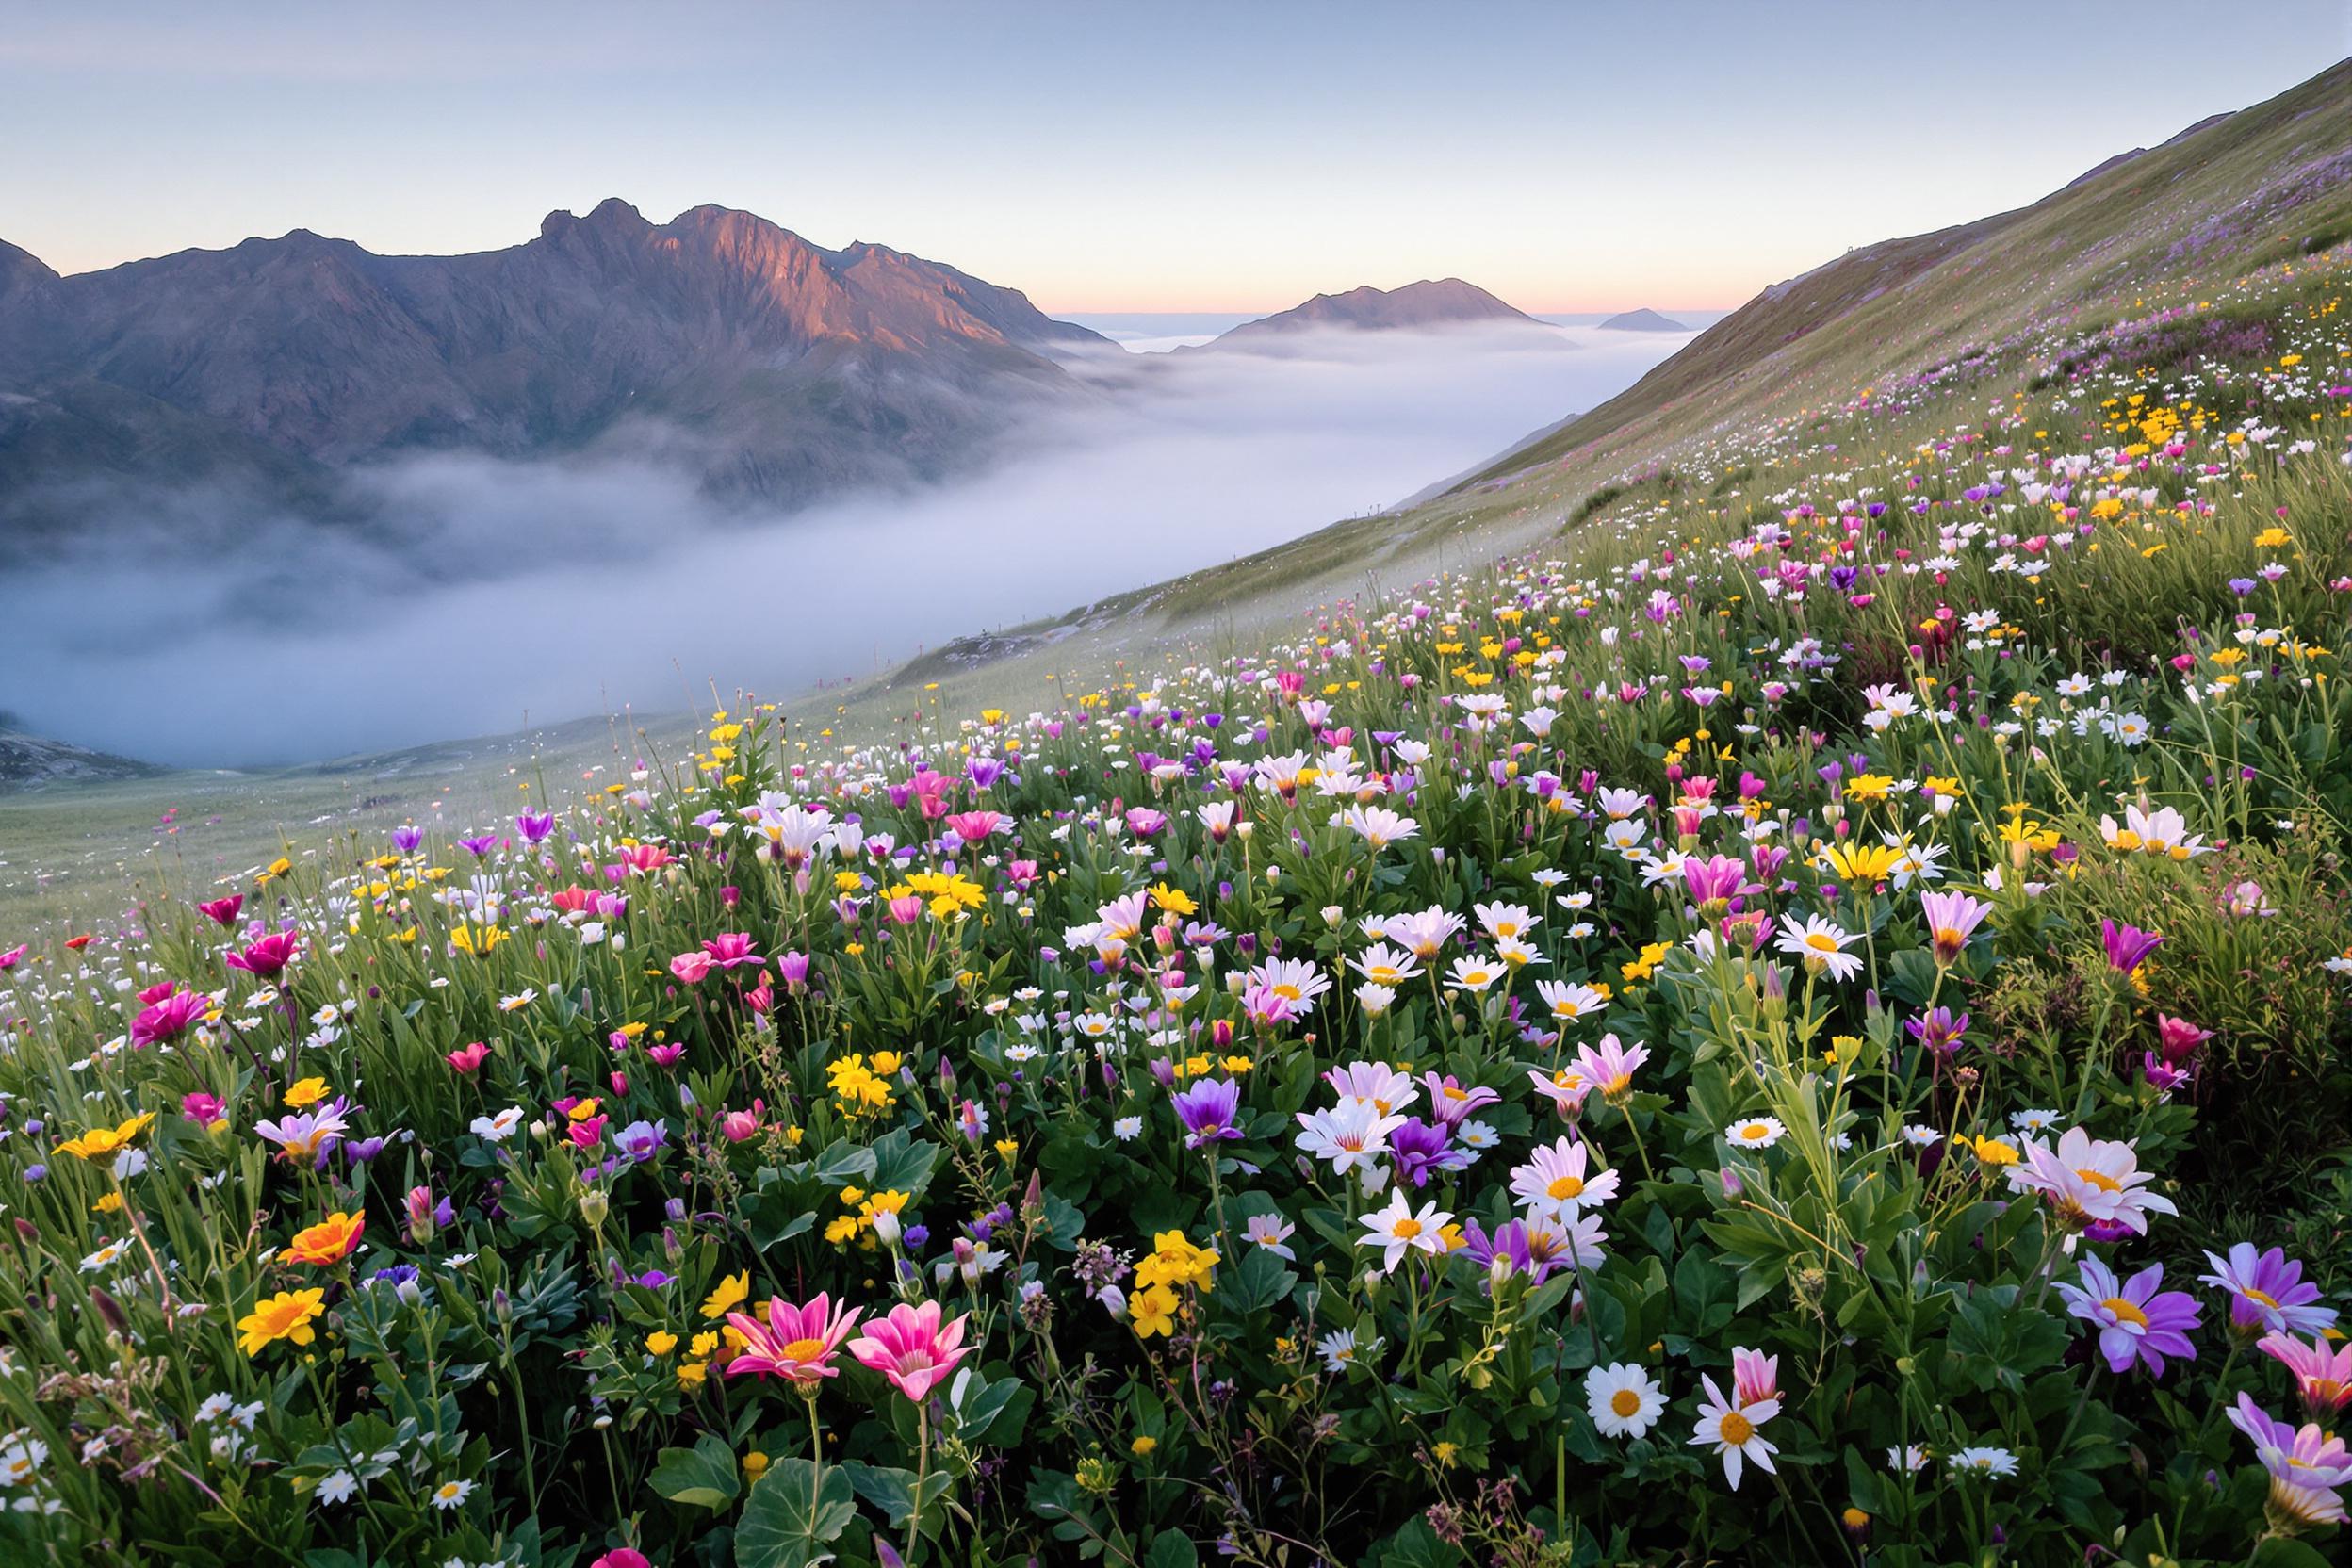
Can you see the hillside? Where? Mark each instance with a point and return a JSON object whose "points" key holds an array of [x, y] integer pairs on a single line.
{"points": [[2233, 197], [788, 368], [2266, 185], [33, 761]]}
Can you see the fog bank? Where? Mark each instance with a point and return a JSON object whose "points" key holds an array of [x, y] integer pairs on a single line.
{"points": [[186, 630]]}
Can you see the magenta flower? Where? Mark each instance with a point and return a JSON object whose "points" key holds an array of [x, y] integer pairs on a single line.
{"points": [[1715, 879], [168, 1016], [223, 911], [269, 956], [2136, 1321], [797, 1344], [975, 827], [1208, 1111], [2267, 1291], [2128, 946], [2177, 1038], [732, 950], [911, 1347], [2323, 1375]]}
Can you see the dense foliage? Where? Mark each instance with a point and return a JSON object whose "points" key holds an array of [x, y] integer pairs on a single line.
{"points": [[1812, 1026]]}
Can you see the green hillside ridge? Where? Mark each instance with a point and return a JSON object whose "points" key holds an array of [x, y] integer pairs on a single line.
{"points": [[2268, 184]]}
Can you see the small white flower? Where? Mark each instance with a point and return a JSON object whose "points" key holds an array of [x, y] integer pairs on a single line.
{"points": [[1989, 1461], [1622, 1399]]}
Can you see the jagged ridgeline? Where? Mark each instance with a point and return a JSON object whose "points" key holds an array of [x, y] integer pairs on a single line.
{"points": [[771, 367]]}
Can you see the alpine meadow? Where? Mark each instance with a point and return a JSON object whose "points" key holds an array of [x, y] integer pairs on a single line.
{"points": [[1760, 973]]}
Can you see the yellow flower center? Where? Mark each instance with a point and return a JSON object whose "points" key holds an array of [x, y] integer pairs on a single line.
{"points": [[1737, 1428], [1408, 1229], [2124, 1312], [1821, 942], [804, 1349], [1565, 1186], [2098, 1179], [1624, 1401]]}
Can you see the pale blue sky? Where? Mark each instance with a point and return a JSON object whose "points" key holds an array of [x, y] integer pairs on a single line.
{"points": [[1118, 157]]}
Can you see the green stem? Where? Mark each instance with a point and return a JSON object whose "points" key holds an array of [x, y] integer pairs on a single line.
{"points": [[923, 1470]]}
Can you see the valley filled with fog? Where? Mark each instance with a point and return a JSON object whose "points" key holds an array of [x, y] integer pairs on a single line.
{"points": [[491, 592]]}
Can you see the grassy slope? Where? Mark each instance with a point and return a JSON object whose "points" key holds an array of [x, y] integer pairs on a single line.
{"points": [[2270, 183]]}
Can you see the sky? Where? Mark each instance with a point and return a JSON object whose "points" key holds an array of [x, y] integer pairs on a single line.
{"points": [[1207, 157]]}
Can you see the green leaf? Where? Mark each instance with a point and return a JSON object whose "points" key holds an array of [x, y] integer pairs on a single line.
{"points": [[705, 1475], [1171, 1550], [1260, 1282], [903, 1163], [845, 1163], [893, 1490], [776, 1216], [789, 1520], [977, 1402], [1700, 1296], [1417, 1545]]}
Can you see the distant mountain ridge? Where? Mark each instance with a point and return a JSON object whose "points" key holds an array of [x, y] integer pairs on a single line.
{"points": [[1643, 319], [794, 366], [29, 761], [1439, 303]]}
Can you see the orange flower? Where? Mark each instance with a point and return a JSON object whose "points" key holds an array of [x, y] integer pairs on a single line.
{"points": [[330, 1241]]}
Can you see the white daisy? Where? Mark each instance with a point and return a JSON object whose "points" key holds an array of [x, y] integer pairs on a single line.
{"points": [[1622, 1399]]}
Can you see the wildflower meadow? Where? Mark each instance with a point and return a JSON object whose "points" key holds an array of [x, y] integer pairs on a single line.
{"points": [[1804, 1023]]}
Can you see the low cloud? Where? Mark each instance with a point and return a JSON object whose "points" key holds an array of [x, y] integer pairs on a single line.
{"points": [[192, 628]]}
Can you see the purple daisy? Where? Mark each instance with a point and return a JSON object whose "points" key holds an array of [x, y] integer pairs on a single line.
{"points": [[2267, 1291], [1208, 1110], [1507, 1245], [2128, 946], [2136, 1320], [1421, 1149]]}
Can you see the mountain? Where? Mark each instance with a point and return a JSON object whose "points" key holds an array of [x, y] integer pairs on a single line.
{"points": [[788, 367], [1448, 301], [1644, 320], [28, 762]]}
